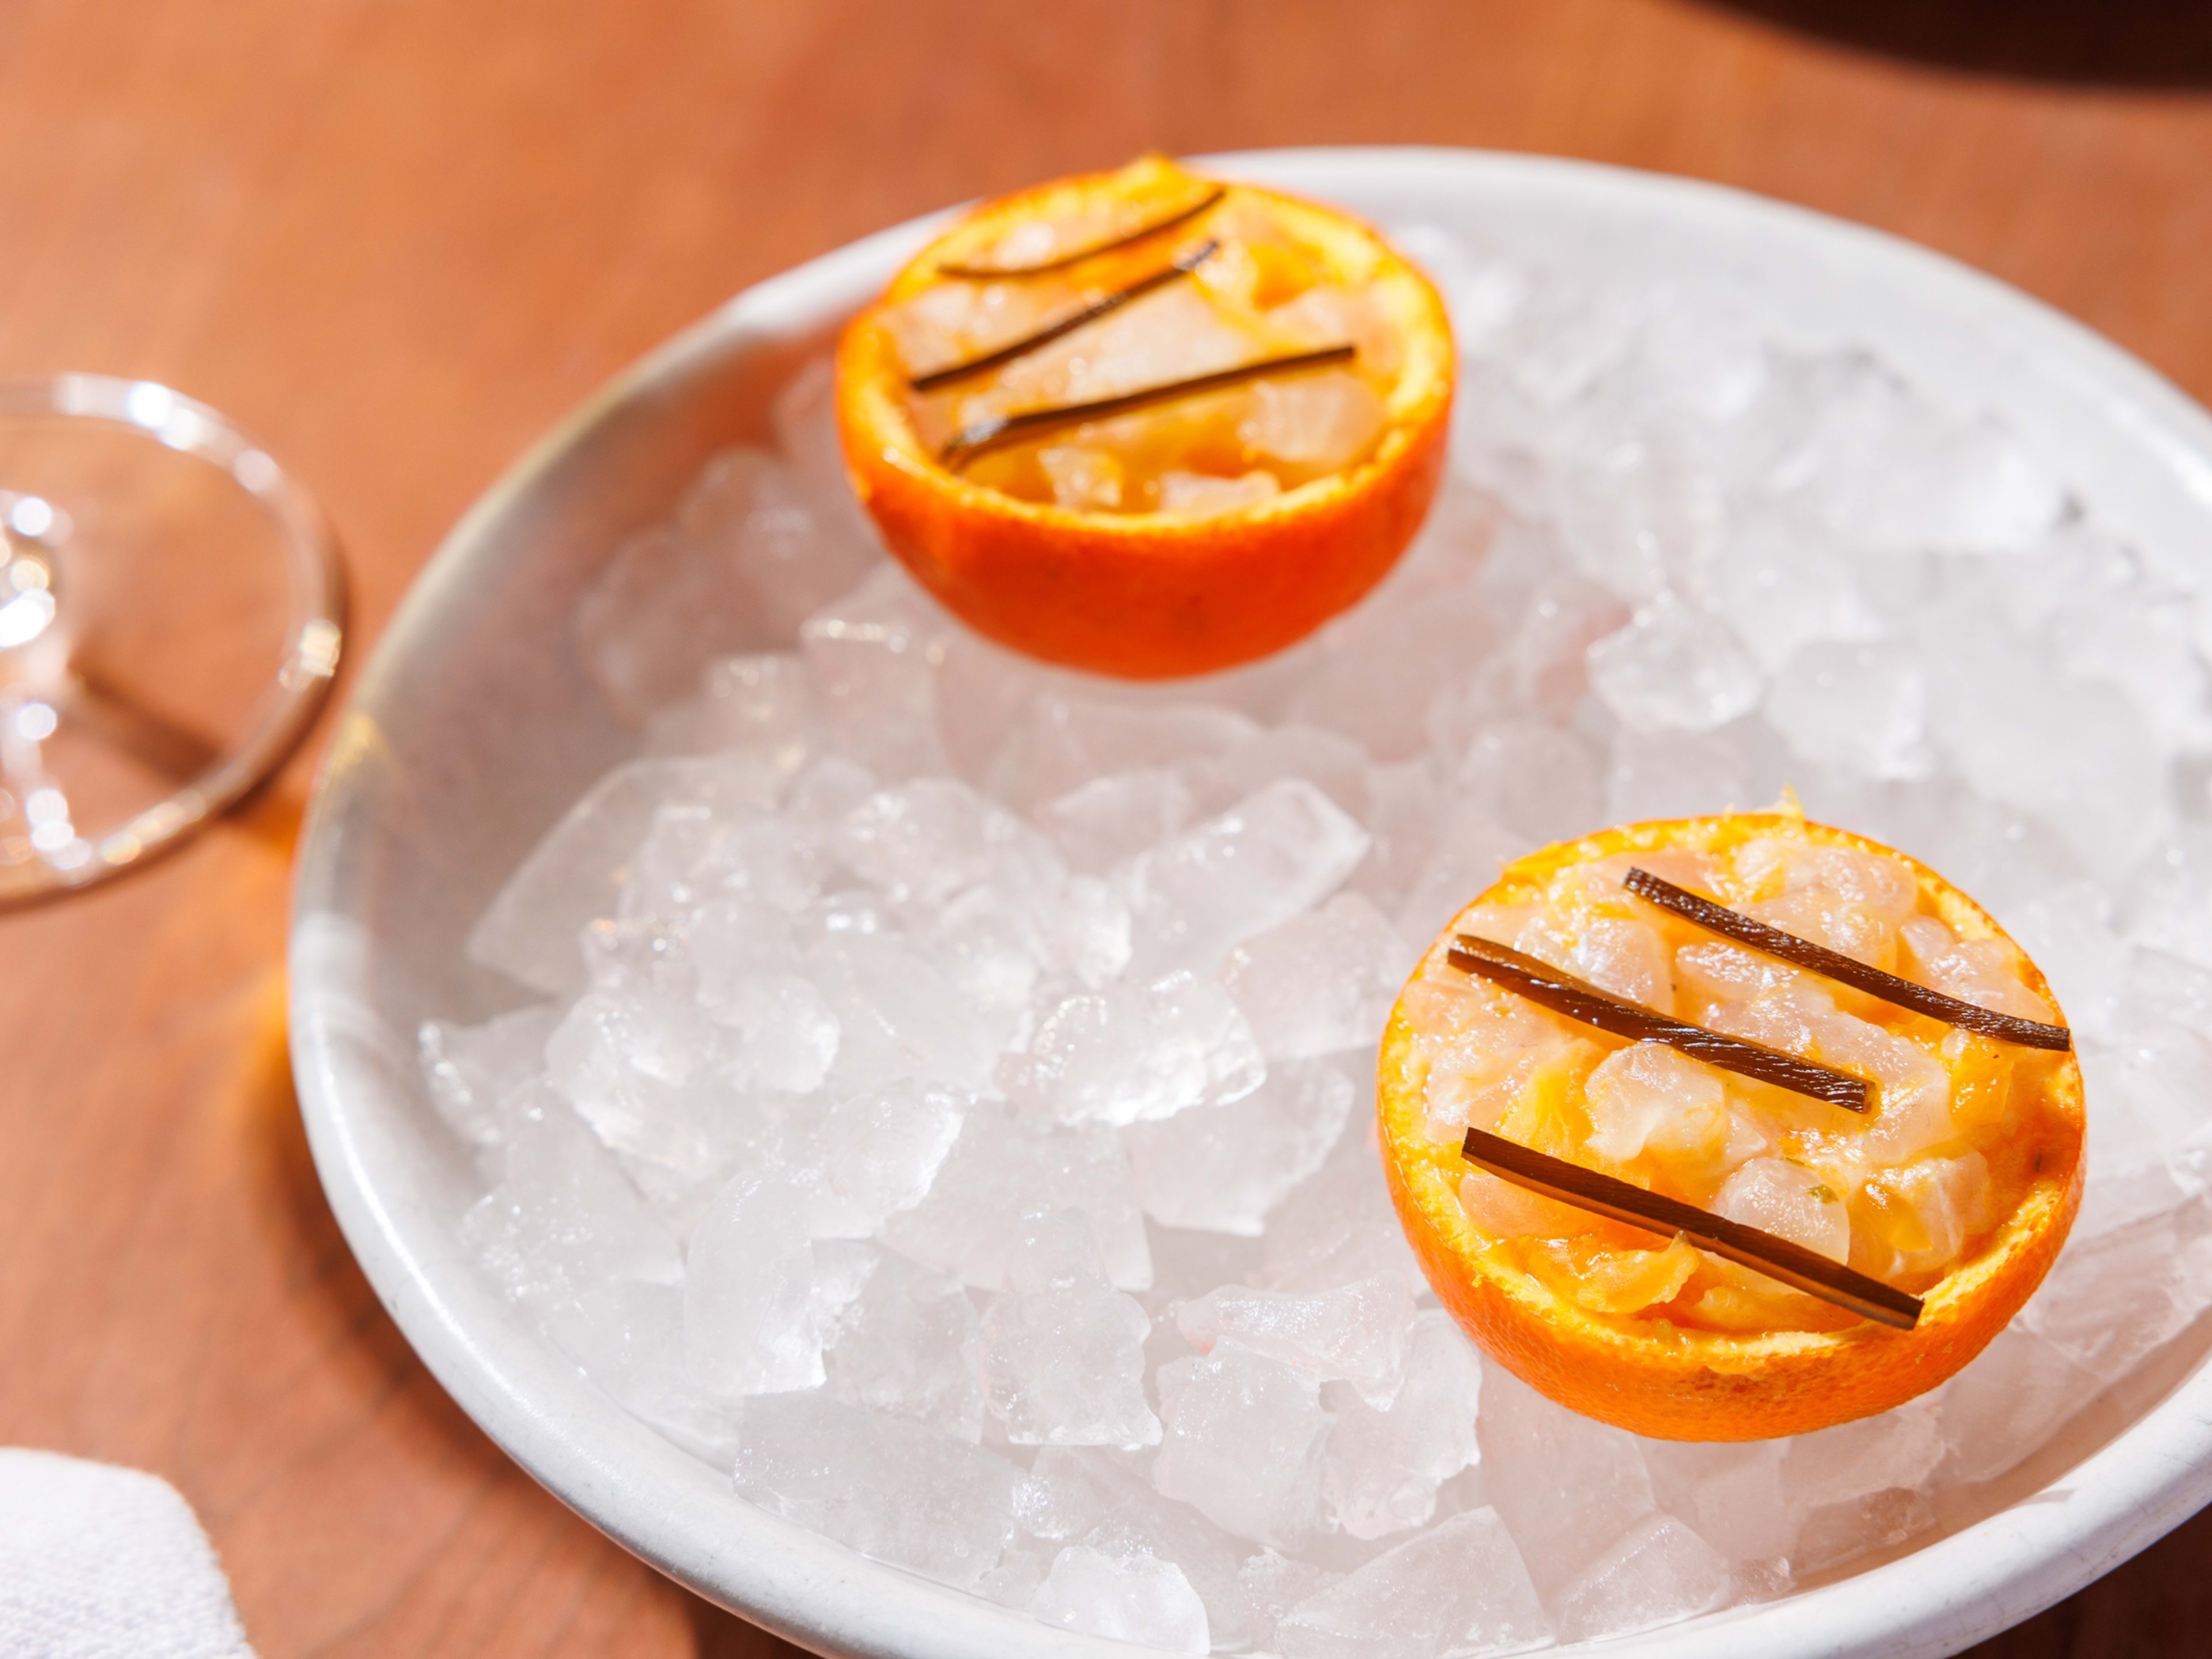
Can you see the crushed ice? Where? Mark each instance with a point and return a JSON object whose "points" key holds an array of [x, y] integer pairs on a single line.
{"points": [[946, 1101]]}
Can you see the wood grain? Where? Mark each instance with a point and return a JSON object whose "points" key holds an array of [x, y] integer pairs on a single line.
{"points": [[398, 238]]}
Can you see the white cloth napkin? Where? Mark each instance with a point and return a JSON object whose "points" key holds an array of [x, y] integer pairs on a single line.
{"points": [[102, 1563]]}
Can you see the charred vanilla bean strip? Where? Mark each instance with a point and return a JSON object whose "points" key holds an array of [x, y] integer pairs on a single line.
{"points": [[1762, 1252], [1804, 953], [1003, 429], [1103, 305], [1060, 262], [1563, 993]]}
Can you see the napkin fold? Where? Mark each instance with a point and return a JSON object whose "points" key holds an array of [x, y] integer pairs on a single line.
{"points": [[98, 1562]]}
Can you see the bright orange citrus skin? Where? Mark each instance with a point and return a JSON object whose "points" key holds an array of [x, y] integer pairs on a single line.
{"points": [[1150, 595], [1685, 1384]]}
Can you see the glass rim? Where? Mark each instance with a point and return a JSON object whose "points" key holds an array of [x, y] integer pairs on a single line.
{"points": [[306, 669]]}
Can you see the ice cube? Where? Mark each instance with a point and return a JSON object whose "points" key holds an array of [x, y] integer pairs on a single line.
{"points": [[1863, 707], [1405, 814], [1097, 824], [1550, 618], [1273, 1584], [2151, 1093], [762, 703], [1126, 1594], [1659, 1571], [642, 1071], [1354, 1333], [695, 856], [905, 1345], [1069, 742], [926, 840], [1195, 898], [750, 1324], [887, 1486], [1085, 933], [875, 1154], [1674, 668], [805, 417], [1243, 1443], [1224, 1167], [560, 1216], [1732, 1494], [786, 1033], [1534, 1452], [1539, 781], [1888, 469], [2074, 751], [1638, 514], [1672, 774], [1321, 981], [1330, 762], [1781, 585], [1340, 1226], [1843, 1532], [1003, 1166], [659, 611], [1383, 1465], [2113, 1299], [874, 654], [1459, 1588], [898, 1015], [1062, 1357], [576, 872], [2143, 641], [1383, 661], [1099, 1497], [1133, 1054], [1860, 1485], [628, 1336], [752, 516], [474, 1071], [2068, 933], [2008, 1401], [1013, 1582], [1471, 846]]}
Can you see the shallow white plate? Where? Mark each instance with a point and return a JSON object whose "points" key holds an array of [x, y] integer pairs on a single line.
{"points": [[473, 727]]}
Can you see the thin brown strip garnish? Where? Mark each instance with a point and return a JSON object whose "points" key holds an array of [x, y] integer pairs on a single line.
{"points": [[1060, 262], [1578, 1000], [1804, 953], [1182, 265], [1762, 1252], [1001, 429]]}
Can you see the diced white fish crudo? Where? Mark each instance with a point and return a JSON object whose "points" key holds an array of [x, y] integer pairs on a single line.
{"points": [[1195, 459], [1912, 1170]]}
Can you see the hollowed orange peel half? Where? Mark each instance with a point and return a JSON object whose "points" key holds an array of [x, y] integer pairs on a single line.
{"points": [[1106, 564], [1601, 1319]]}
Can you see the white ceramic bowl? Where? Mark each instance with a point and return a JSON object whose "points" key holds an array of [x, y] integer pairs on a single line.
{"points": [[473, 727]]}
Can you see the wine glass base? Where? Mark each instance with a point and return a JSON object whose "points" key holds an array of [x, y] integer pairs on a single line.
{"points": [[171, 616]]}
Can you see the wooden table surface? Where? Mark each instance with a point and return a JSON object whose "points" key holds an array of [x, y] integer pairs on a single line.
{"points": [[398, 238]]}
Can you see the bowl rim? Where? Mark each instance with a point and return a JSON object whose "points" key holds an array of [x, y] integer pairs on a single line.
{"points": [[669, 1508]]}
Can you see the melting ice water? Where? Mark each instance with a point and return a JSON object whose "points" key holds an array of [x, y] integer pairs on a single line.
{"points": [[946, 1103]]}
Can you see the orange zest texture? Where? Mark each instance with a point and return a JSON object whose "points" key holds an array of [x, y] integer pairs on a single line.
{"points": [[1173, 532], [1958, 1187]]}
